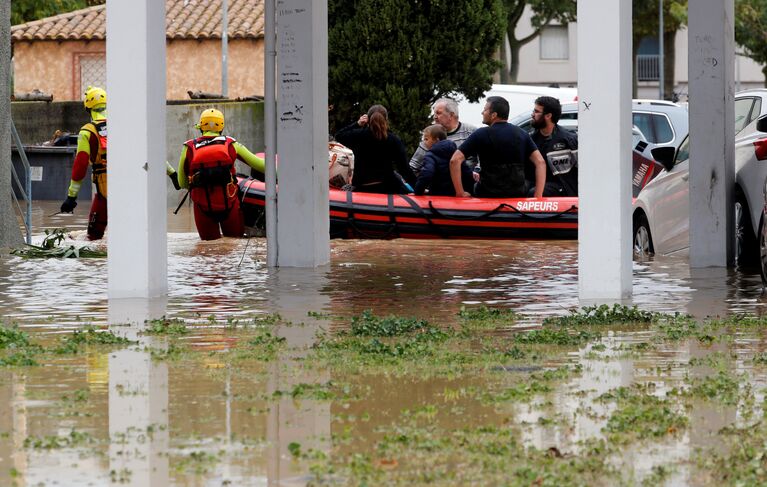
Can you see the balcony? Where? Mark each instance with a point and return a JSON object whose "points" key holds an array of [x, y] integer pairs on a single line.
{"points": [[647, 67]]}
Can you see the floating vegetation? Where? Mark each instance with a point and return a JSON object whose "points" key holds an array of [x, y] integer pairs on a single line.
{"points": [[165, 326], [89, 335], [50, 248], [618, 314], [640, 414]]}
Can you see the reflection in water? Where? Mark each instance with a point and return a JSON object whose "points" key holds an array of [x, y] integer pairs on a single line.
{"points": [[305, 422], [173, 421]]}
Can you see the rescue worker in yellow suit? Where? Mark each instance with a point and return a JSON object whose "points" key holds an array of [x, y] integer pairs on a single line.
{"points": [[92, 149], [207, 168]]}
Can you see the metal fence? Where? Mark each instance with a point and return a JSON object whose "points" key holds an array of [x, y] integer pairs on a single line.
{"points": [[26, 189], [647, 67]]}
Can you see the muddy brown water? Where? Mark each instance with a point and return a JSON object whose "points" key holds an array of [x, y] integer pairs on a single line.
{"points": [[162, 423]]}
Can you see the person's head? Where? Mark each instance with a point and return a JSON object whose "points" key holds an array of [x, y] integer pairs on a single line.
{"points": [[446, 113], [433, 134], [378, 121], [95, 102], [546, 112], [496, 110], [211, 120]]}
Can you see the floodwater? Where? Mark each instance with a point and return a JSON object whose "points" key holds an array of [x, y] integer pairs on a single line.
{"points": [[149, 422]]}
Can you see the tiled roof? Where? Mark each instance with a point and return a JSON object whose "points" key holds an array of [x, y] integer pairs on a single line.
{"points": [[184, 19]]}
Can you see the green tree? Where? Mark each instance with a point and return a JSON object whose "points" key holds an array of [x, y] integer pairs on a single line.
{"points": [[645, 22], [751, 30], [405, 54], [544, 12], [27, 10]]}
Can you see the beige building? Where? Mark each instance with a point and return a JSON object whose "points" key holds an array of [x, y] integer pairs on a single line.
{"points": [[64, 54], [552, 58]]}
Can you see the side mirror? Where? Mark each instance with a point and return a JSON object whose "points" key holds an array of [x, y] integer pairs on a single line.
{"points": [[664, 155], [761, 124]]}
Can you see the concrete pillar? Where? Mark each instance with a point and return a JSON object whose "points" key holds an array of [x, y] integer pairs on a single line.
{"points": [[604, 131], [711, 72], [137, 182], [302, 134], [10, 235]]}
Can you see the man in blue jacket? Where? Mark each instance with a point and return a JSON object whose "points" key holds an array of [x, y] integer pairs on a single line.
{"points": [[435, 172]]}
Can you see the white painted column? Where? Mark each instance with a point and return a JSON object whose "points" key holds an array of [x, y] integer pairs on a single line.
{"points": [[136, 152], [604, 132], [712, 141], [302, 134]]}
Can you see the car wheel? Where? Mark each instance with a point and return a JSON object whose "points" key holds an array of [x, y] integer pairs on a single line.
{"points": [[763, 251], [746, 247], [642, 237]]}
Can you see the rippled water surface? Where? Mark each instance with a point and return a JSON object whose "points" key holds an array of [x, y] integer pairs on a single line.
{"points": [[132, 419]]}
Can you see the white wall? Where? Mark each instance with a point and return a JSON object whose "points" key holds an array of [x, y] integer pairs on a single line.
{"points": [[533, 70]]}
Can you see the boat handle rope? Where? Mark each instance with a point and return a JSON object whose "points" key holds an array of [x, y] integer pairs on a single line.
{"points": [[498, 209], [420, 211], [352, 224]]}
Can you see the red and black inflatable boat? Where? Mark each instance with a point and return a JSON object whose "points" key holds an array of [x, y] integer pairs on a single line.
{"points": [[371, 215]]}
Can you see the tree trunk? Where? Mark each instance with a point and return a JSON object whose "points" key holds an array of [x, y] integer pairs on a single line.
{"points": [[514, 48], [669, 62], [505, 78]]}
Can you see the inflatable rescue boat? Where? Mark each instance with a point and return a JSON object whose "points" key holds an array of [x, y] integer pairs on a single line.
{"points": [[372, 215]]}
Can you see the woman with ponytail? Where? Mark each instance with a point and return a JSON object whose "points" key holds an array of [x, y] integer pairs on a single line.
{"points": [[377, 152]]}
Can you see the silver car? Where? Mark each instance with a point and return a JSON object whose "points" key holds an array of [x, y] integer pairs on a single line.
{"points": [[661, 211], [662, 123]]}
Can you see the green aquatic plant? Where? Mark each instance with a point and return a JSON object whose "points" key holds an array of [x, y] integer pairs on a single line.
{"points": [[88, 336], [561, 336], [12, 337], [165, 326], [50, 248], [73, 439], [641, 415], [603, 314], [368, 324], [721, 387], [22, 358]]}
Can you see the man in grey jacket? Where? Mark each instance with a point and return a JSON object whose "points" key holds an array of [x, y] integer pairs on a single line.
{"points": [[445, 114]]}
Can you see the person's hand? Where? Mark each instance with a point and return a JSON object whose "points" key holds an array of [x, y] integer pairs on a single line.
{"points": [[363, 120], [69, 204], [465, 194], [475, 174], [174, 178]]}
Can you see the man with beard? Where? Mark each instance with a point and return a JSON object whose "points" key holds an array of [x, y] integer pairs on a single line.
{"points": [[552, 138]]}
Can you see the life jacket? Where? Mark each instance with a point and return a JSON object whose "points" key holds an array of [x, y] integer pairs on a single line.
{"points": [[99, 163], [212, 173]]}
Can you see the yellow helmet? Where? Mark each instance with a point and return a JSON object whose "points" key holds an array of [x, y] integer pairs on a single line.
{"points": [[211, 120], [95, 98]]}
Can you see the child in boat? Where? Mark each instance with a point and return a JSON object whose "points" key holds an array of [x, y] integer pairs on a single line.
{"points": [[435, 173]]}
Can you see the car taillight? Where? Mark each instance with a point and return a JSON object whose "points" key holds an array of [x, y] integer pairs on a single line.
{"points": [[760, 149]]}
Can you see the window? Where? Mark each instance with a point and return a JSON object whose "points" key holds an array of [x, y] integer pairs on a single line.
{"points": [[654, 126], [555, 43], [742, 110], [683, 153], [93, 71]]}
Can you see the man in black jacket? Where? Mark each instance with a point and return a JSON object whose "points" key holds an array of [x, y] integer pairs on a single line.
{"points": [[554, 142]]}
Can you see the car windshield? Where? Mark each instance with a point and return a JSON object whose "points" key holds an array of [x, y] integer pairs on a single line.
{"points": [[684, 151]]}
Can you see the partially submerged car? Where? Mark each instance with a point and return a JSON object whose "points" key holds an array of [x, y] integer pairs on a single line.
{"points": [[661, 211]]}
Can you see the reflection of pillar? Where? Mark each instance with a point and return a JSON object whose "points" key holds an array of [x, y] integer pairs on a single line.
{"points": [[709, 295], [138, 398], [13, 420], [138, 418], [303, 421]]}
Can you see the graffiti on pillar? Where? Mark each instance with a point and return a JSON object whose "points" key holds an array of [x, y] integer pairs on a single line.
{"points": [[292, 89]]}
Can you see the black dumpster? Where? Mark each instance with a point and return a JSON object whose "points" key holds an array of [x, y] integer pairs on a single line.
{"points": [[51, 172]]}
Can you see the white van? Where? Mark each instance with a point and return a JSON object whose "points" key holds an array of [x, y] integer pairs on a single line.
{"points": [[521, 99]]}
